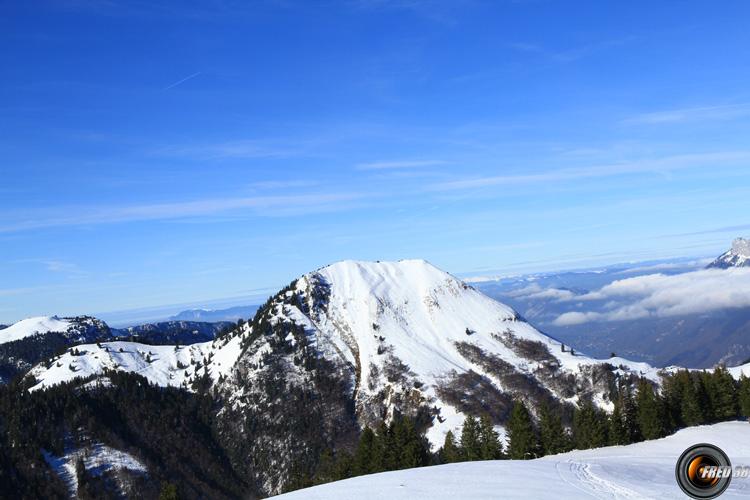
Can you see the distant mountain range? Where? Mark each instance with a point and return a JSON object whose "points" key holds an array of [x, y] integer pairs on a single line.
{"points": [[213, 315]]}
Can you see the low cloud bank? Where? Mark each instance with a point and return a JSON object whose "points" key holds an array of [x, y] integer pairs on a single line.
{"points": [[659, 295], [534, 291]]}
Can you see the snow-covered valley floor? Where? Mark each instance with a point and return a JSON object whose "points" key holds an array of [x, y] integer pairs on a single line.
{"points": [[642, 471]]}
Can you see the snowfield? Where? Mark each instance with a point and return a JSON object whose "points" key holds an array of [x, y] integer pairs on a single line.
{"points": [[163, 365], [32, 326], [639, 471]]}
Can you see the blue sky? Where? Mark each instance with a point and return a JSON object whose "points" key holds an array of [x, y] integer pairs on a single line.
{"points": [[179, 152]]}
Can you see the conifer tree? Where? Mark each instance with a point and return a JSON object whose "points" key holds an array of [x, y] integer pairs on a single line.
{"points": [[379, 461], [363, 457], [450, 452], [703, 388], [589, 426], [470, 443], [522, 440], [651, 415], [629, 416], [553, 438], [343, 466], [326, 470], [723, 394], [168, 492], [414, 449], [674, 389], [490, 447], [617, 433], [691, 408], [744, 396]]}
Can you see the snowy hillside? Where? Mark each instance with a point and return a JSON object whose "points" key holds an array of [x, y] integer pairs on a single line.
{"points": [[737, 256], [176, 366], [639, 471], [80, 328], [27, 342], [32, 326]]}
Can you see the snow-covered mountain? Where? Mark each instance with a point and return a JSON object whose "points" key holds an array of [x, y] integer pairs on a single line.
{"points": [[643, 471], [79, 328], [410, 335], [32, 340], [27, 342], [163, 365], [737, 256], [352, 344]]}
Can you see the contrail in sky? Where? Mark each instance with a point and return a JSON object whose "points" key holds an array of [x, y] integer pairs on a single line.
{"points": [[182, 81]]}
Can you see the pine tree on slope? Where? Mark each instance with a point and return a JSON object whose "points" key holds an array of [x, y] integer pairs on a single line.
{"points": [[490, 447], [651, 415], [450, 452], [553, 438], [470, 444], [522, 440]]}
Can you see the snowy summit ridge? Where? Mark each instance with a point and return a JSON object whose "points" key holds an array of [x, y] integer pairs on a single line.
{"points": [[737, 256]]}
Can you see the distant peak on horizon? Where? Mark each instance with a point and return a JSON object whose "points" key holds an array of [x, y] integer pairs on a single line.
{"points": [[741, 246], [737, 256]]}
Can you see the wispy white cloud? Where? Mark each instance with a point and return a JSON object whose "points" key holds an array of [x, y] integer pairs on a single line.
{"points": [[182, 80], [665, 266], [571, 54], [258, 205], [704, 113], [400, 164], [53, 265], [723, 229], [240, 149], [659, 165], [60, 266], [659, 295]]}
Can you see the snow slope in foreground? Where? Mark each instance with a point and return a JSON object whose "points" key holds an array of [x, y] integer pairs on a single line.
{"points": [[642, 470]]}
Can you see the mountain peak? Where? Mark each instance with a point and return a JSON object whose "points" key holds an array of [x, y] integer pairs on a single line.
{"points": [[417, 273], [737, 256], [741, 247]]}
